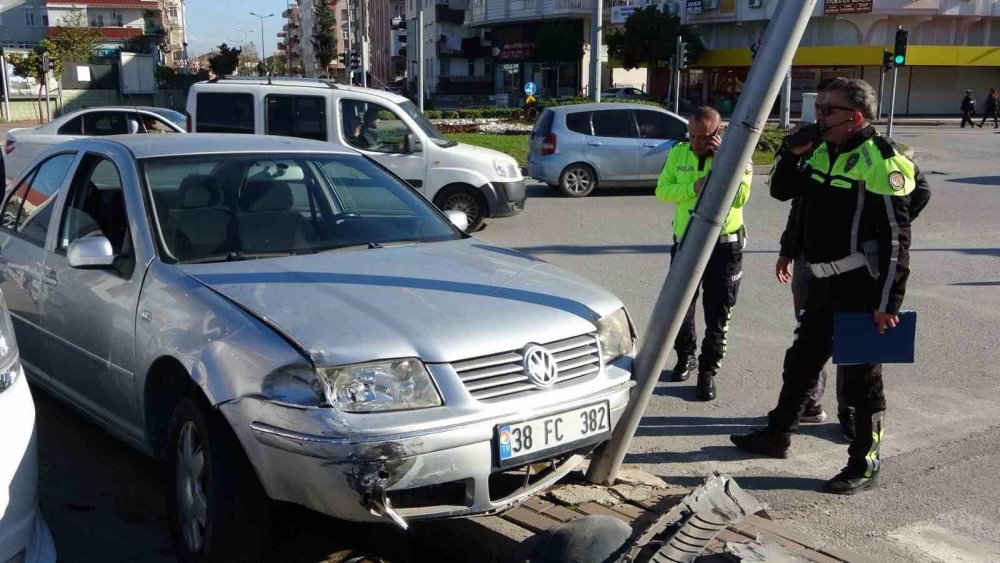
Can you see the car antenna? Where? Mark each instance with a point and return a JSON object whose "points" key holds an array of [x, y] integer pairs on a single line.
{"points": [[137, 115]]}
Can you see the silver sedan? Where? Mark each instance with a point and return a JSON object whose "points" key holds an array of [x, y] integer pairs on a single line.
{"points": [[276, 319]]}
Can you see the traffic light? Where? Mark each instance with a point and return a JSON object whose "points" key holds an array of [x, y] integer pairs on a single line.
{"points": [[343, 59], [886, 60], [682, 55], [355, 61], [899, 54]]}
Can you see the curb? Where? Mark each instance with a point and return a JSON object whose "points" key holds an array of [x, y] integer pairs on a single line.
{"points": [[761, 169]]}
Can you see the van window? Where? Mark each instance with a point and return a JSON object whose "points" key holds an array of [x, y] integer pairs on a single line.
{"points": [[224, 113], [296, 116], [657, 125], [372, 127], [612, 123], [579, 122]]}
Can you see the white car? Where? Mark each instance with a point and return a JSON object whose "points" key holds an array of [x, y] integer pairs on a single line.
{"points": [[24, 537], [24, 144]]}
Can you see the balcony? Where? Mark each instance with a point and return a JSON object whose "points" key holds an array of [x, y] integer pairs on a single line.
{"points": [[153, 30], [445, 14], [498, 12]]}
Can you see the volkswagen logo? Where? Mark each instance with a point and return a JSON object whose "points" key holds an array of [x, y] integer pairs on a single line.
{"points": [[540, 366]]}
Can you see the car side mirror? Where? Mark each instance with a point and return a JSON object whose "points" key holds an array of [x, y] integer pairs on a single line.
{"points": [[412, 144], [90, 252], [458, 218]]}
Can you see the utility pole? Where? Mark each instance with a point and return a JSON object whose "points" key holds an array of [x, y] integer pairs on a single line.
{"points": [[420, 58], [263, 52], [898, 60], [350, 39], [749, 118], [785, 119], [364, 41], [596, 27], [679, 56]]}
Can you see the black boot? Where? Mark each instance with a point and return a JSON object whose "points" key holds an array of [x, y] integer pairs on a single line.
{"points": [[849, 482], [706, 385], [764, 442], [682, 371]]}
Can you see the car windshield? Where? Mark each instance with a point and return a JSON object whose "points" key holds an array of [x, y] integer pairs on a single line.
{"points": [[175, 117], [211, 208], [425, 125]]}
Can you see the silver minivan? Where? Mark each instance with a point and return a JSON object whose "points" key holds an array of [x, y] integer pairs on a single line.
{"points": [[576, 147]]}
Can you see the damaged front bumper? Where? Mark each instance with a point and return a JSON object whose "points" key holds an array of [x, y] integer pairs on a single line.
{"points": [[440, 472]]}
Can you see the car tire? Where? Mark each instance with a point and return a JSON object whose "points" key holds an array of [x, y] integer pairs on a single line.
{"points": [[216, 506], [466, 199], [577, 180]]}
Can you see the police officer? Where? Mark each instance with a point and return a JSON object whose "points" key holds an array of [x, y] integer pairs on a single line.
{"points": [[680, 183], [792, 267], [855, 191]]}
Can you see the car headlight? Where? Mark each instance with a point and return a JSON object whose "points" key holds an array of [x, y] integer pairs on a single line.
{"points": [[10, 367], [388, 385], [615, 336], [505, 169]]}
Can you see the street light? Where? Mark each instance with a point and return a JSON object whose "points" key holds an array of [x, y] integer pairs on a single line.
{"points": [[244, 32], [263, 53]]}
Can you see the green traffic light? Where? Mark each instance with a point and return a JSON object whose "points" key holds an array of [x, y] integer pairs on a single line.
{"points": [[899, 59]]}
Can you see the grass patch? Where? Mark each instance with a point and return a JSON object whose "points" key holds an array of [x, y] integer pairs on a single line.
{"points": [[514, 145], [517, 146]]}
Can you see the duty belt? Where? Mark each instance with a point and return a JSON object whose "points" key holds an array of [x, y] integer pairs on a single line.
{"points": [[731, 237], [846, 264]]}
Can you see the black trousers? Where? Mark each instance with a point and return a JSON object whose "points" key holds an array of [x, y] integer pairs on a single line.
{"points": [[988, 115], [719, 287], [967, 117], [813, 345]]}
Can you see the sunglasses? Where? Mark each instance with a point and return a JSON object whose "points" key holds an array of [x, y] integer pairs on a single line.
{"points": [[827, 109]]}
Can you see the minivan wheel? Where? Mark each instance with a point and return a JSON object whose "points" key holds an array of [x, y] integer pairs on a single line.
{"points": [[577, 180], [216, 506], [467, 200]]}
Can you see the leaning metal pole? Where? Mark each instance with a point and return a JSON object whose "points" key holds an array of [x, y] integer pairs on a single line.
{"points": [[596, 27], [768, 71]]}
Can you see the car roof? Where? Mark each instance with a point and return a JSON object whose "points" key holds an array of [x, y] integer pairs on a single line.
{"points": [[152, 146], [595, 106], [235, 83]]}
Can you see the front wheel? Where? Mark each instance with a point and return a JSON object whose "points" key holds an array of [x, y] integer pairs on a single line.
{"points": [[467, 200], [217, 508], [577, 180]]}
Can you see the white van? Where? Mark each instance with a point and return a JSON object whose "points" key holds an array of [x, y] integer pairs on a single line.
{"points": [[384, 126]]}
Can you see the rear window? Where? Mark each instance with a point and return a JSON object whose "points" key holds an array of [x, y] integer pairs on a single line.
{"points": [[224, 113], [544, 124], [579, 122]]}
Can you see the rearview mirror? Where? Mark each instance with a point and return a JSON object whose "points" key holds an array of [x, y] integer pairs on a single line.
{"points": [[458, 218], [412, 144], [90, 252]]}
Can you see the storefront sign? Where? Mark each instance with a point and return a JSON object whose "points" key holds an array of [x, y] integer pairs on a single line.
{"points": [[694, 7], [847, 7], [517, 51], [621, 13]]}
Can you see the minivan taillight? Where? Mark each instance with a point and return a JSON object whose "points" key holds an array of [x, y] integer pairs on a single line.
{"points": [[549, 144], [188, 121], [9, 146]]}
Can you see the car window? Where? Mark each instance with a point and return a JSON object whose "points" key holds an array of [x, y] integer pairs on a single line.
{"points": [[95, 205], [657, 125], [72, 127], [544, 124], [612, 123], [296, 116], [29, 209], [99, 123], [224, 113], [233, 207], [579, 122], [372, 127]]}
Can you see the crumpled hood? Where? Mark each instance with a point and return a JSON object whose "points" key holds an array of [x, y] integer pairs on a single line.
{"points": [[440, 302]]}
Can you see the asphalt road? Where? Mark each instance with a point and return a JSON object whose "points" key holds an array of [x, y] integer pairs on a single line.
{"points": [[939, 499]]}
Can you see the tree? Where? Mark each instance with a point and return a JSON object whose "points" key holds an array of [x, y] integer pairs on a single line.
{"points": [[226, 62], [75, 41], [649, 39], [324, 38], [31, 65], [558, 41]]}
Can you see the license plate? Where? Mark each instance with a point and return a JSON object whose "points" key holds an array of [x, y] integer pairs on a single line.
{"points": [[535, 436]]}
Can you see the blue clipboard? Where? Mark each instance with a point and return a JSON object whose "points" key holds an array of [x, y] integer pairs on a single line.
{"points": [[857, 341]]}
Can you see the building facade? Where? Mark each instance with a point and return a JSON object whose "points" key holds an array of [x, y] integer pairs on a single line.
{"points": [[385, 65], [23, 23], [952, 47], [290, 41]]}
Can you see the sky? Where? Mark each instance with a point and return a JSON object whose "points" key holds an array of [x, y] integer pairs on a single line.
{"points": [[212, 22]]}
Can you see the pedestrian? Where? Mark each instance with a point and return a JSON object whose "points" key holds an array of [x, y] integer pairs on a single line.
{"points": [[792, 267], [968, 109], [855, 191], [990, 109], [681, 183]]}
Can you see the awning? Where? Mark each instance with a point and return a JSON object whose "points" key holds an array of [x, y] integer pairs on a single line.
{"points": [[862, 55]]}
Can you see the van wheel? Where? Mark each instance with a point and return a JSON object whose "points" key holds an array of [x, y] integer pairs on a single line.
{"points": [[577, 180], [216, 506], [467, 200]]}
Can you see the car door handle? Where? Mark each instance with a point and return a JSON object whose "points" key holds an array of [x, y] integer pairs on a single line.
{"points": [[650, 145], [595, 144], [49, 278]]}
